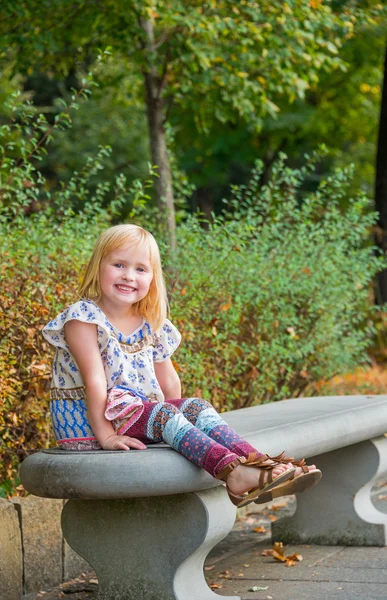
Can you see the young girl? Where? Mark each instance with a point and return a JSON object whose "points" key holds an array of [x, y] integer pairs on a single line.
{"points": [[114, 386]]}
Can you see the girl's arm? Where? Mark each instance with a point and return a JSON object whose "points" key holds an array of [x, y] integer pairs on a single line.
{"points": [[83, 344], [168, 379]]}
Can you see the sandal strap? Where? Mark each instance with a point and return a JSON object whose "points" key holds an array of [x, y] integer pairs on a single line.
{"points": [[225, 472], [257, 460], [297, 463], [281, 458], [261, 481], [263, 461]]}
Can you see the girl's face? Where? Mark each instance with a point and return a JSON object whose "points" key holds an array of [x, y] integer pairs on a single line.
{"points": [[125, 276]]}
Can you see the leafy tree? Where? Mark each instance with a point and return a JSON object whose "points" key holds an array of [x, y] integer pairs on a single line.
{"points": [[340, 111], [220, 60]]}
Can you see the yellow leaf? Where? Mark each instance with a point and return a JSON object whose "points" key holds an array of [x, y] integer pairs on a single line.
{"points": [[260, 529], [290, 563]]}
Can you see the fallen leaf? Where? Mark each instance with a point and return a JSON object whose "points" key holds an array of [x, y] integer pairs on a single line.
{"points": [[257, 588], [246, 565], [278, 546], [382, 497], [273, 518], [295, 556], [278, 553], [279, 556], [278, 506], [209, 568], [94, 581], [290, 563], [260, 529], [216, 586]]}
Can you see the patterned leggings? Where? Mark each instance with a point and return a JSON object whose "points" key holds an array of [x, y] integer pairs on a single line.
{"points": [[193, 428]]}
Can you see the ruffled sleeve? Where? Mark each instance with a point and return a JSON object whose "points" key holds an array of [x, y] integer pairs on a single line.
{"points": [[166, 342], [84, 311]]}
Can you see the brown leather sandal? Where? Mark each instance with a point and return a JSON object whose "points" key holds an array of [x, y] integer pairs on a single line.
{"points": [[265, 483], [295, 484]]}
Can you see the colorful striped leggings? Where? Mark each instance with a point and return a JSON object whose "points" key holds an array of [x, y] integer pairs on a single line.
{"points": [[193, 428]]}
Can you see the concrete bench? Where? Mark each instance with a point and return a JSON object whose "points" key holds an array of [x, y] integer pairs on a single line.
{"points": [[146, 520]]}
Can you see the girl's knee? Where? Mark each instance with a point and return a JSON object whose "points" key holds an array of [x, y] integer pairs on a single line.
{"points": [[169, 410], [193, 407], [160, 416]]}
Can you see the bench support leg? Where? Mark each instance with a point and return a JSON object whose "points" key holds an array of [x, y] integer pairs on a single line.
{"points": [[150, 548], [339, 510]]}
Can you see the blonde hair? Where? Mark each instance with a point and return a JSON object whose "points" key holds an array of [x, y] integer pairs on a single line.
{"points": [[154, 307]]}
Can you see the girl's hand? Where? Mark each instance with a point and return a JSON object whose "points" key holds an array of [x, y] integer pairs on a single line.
{"points": [[122, 442]]}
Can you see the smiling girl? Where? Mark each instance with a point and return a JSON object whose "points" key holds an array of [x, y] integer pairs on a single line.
{"points": [[114, 386]]}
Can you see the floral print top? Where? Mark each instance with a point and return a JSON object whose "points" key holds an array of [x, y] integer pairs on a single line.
{"points": [[127, 360]]}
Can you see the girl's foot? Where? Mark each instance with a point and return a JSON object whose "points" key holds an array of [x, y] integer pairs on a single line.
{"points": [[243, 479], [245, 484], [305, 476]]}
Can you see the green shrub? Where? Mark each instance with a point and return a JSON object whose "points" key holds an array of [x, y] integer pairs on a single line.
{"points": [[275, 296]]}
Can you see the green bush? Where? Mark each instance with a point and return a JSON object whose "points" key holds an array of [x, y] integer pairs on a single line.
{"points": [[274, 296]]}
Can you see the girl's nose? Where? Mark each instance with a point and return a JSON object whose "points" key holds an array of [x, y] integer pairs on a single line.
{"points": [[128, 274]]}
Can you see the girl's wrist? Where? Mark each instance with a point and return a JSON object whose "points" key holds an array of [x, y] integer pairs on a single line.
{"points": [[107, 440]]}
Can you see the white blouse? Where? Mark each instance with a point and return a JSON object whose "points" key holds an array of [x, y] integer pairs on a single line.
{"points": [[127, 360]]}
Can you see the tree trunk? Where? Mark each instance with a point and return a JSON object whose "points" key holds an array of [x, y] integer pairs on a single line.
{"points": [[159, 150], [381, 189], [205, 203]]}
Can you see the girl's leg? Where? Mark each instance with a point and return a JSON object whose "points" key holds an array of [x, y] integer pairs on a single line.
{"points": [[203, 416], [166, 423]]}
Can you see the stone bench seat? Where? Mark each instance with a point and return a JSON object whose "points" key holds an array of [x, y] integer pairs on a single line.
{"points": [[146, 520]]}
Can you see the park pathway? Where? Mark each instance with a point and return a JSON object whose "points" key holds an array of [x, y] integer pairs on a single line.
{"points": [[237, 567]]}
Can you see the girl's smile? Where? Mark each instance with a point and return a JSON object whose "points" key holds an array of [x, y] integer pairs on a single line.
{"points": [[125, 289]]}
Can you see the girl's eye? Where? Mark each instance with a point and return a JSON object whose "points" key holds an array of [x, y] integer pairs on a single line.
{"points": [[141, 269], [119, 265]]}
